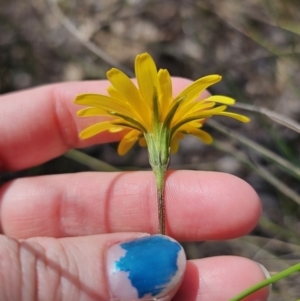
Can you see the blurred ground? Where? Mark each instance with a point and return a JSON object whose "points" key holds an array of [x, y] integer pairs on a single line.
{"points": [[253, 44]]}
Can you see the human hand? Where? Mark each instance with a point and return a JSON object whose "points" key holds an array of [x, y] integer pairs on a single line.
{"points": [[58, 229]]}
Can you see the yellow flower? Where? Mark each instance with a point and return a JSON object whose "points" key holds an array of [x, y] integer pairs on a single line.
{"points": [[153, 116]]}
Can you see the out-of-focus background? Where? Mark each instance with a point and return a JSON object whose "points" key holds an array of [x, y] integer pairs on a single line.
{"points": [[253, 44]]}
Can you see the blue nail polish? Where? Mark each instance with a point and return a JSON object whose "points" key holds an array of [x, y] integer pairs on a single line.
{"points": [[148, 268]]}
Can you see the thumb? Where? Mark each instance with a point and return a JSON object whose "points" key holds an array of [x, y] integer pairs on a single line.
{"points": [[120, 266]]}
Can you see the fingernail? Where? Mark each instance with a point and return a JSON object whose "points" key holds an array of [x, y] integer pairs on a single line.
{"points": [[148, 268], [266, 273], [264, 270]]}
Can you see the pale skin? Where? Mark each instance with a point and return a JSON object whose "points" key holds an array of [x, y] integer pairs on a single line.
{"points": [[56, 229]]}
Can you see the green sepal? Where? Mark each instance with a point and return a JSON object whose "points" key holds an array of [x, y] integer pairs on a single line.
{"points": [[128, 125], [186, 120], [169, 117], [130, 120], [155, 109]]}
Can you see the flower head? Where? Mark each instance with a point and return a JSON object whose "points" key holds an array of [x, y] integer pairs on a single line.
{"points": [[153, 116]]}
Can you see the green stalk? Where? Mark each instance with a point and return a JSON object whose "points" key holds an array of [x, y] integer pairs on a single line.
{"points": [[256, 287], [159, 157], [89, 161], [158, 144], [160, 175]]}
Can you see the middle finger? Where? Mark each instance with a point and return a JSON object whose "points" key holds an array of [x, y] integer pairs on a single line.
{"points": [[199, 205]]}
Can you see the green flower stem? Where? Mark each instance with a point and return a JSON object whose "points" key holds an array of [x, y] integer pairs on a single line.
{"points": [[160, 175], [159, 157], [158, 144], [276, 277]]}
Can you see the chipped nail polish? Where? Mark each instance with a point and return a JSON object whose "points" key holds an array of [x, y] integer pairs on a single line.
{"points": [[148, 268]]}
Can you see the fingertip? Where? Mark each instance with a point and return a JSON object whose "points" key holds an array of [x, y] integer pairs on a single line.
{"points": [[190, 286], [221, 278], [213, 205]]}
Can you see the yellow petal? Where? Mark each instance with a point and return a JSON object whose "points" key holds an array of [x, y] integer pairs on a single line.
{"points": [[90, 99], [200, 134], [165, 82], [116, 129], [202, 106], [192, 108], [179, 135], [128, 141], [103, 102], [239, 117], [210, 112], [221, 99], [90, 112], [200, 115], [174, 145], [126, 87], [142, 142], [95, 129], [196, 123], [146, 74], [175, 142], [133, 113], [193, 91], [165, 96], [113, 93]]}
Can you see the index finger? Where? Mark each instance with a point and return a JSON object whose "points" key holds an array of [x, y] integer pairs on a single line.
{"points": [[40, 124]]}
